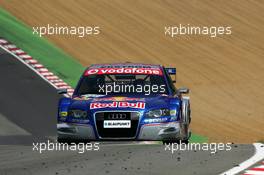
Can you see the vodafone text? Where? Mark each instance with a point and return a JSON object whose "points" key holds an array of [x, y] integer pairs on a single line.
{"points": [[146, 71]]}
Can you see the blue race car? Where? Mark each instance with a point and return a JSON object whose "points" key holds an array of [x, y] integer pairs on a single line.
{"points": [[125, 102]]}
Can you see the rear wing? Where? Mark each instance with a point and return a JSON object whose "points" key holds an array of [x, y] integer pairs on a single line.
{"points": [[172, 71]]}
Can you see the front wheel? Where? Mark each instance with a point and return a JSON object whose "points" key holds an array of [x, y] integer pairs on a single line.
{"points": [[178, 141]]}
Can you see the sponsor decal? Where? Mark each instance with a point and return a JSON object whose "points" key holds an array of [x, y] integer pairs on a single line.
{"points": [[156, 120], [117, 124], [125, 104], [80, 121], [91, 71], [94, 95], [125, 66], [103, 105], [147, 71], [115, 104], [160, 120]]}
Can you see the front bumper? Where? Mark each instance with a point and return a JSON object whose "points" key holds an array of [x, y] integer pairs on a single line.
{"points": [[160, 131], [75, 131], [154, 131]]}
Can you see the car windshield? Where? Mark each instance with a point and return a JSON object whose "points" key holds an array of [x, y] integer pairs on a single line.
{"points": [[121, 84]]}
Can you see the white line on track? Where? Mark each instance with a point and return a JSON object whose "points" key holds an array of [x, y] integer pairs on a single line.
{"points": [[258, 156], [250, 172]]}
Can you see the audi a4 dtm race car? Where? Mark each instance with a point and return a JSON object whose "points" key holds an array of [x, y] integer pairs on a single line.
{"points": [[125, 102]]}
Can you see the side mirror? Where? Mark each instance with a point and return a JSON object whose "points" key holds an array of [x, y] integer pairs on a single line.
{"points": [[62, 91], [183, 90], [172, 71]]}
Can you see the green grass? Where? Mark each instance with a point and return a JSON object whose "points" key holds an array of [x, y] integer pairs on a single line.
{"points": [[52, 57], [261, 141], [198, 139], [41, 49]]}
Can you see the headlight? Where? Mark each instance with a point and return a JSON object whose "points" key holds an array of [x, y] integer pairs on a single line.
{"points": [[63, 114], [158, 113], [173, 112], [80, 114]]}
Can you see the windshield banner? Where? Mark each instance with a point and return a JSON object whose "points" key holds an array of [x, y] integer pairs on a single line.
{"points": [[145, 71]]}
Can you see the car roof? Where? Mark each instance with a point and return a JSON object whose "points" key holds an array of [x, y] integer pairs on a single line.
{"points": [[125, 65]]}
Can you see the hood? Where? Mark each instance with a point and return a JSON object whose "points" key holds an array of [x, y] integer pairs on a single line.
{"points": [[96, 103]]}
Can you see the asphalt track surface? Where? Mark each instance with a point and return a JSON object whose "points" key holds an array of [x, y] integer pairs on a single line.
{"points": [[28, 114], [26, 100]]}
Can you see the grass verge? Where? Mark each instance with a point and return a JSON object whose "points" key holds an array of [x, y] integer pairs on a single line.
{"points": [[198, 139], [41, 49], [52, 57]]}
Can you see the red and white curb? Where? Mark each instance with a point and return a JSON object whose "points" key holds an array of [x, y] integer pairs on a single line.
{"points": [[242, 168], [33, 64], [255, 170]]}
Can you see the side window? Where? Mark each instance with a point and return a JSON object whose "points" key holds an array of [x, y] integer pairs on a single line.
{"points": [[171, 85]]}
